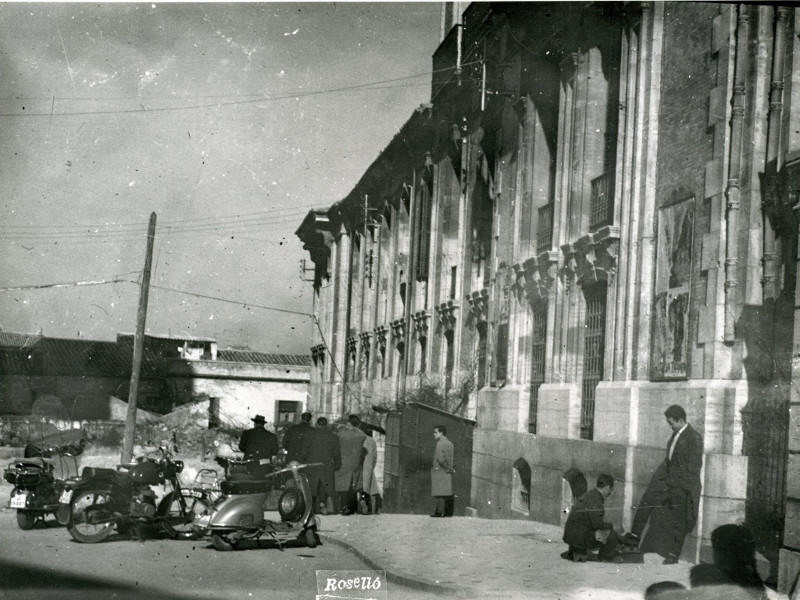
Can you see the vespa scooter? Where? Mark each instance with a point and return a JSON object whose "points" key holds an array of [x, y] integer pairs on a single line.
{"points": [[239, 514]]}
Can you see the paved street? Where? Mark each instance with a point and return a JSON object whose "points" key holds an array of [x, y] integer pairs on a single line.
{"points": [[424, 558], [46, 563]]}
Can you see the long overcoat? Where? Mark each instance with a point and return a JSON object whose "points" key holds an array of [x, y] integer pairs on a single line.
{"points": [[348, 476], [368, 482], [442, 468]]}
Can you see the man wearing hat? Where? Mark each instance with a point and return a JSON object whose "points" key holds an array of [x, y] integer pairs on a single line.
{"points": [[258, 443], [294, 436]]}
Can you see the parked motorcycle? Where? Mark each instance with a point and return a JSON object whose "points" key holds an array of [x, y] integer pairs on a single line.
{"points": [[239, 514], [38, 479], [101, 500]]}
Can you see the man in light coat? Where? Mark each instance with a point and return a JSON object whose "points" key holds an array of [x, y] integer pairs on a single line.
{"points": [[442, 473], [348, 476]]}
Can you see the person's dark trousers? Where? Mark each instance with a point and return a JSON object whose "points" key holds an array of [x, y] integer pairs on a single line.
{"points": [[444, 506], [449, 505], [656, 494], [677, 500]]}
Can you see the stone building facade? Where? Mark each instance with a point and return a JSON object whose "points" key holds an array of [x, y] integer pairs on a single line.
{"points": [[594, 218]]}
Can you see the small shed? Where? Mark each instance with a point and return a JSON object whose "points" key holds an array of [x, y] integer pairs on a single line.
{"points": [[409, 455]]}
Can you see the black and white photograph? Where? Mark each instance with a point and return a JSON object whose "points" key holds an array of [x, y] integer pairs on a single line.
{"points": [[400, 300]]}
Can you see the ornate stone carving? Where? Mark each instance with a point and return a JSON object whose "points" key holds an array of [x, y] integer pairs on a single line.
{"points": [[478, 305], [534, 277], [592, 258], [398, 329], [421, 323], [446, 314], [380, 336]]}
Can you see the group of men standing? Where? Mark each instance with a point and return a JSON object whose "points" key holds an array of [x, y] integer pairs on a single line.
{"points": [[343, 478]]}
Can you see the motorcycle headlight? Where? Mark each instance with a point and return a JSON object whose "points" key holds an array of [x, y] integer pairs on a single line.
{"points": [[178, 466]]}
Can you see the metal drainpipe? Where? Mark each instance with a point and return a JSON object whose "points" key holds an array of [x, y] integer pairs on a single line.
{"points": [[773, 144], [732, 191]]}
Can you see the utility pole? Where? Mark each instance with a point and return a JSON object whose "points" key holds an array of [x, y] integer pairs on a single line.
{"points": [[138, 345]]}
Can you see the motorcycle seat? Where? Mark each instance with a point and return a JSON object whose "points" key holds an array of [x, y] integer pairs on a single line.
{"points": [[245, 486]]}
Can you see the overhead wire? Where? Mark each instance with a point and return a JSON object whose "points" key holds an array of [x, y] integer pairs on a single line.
{"points": [[373, 85]]}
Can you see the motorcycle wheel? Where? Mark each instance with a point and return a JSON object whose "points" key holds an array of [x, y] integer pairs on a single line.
{"points": [[26, 520], [222, 542], [90, 516], [291, 505], [180, 512]]}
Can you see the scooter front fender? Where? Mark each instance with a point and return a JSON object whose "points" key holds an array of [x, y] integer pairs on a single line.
{"points": [[239, 512]]}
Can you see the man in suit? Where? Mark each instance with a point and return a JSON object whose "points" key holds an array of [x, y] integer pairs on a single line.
{"points": [[674, 491], [293, 438], [585, 529], [442, 473], [258, 443], [321, 445]]}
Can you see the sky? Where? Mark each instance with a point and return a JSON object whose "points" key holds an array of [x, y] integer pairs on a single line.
{"points": [[229, 121]]}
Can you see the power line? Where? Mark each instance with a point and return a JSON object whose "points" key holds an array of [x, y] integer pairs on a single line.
{"points": [[166, 224], [229, 301], [62, 285], [369, 86]]}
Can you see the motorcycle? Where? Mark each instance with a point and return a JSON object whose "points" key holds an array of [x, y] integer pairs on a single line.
{"points": [[38, 479], [102, 500], [239, 514]]}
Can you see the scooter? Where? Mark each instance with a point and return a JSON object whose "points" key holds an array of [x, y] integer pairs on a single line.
{"points": [[38, 479], [239, 514]]}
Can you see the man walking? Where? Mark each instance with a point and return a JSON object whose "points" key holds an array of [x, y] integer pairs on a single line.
{"points": [[442, 473], [293, 438], [585, 529], [258, 443], [348, 476], [321, 445], [674, 491]]}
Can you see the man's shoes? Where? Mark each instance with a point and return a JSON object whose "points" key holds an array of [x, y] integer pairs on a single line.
{"points": [[578, 557], [567, 555], [630, 539], [671, 560], [438, 515]]}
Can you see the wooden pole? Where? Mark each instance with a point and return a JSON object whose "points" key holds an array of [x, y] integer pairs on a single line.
{"points": [[138, 346]]}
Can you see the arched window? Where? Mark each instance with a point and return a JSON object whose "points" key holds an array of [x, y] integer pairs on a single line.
{"points": [[521, 487]]}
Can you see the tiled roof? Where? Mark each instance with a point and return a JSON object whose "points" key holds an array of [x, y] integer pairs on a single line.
{"points": [[246, 356], [9, 339], [179, 338]]}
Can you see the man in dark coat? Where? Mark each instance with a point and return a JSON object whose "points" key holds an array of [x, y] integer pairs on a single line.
{"points": [[673, 492], [585, 525], [321, 445], [293, 438], [258, 443], [442, 473]]}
